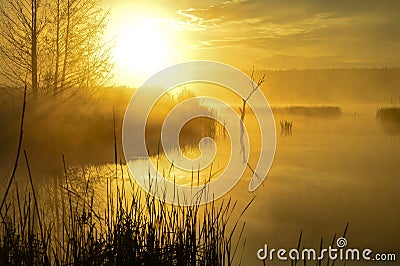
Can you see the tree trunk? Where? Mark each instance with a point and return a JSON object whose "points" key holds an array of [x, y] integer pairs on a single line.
{"points": [[66, 46], [34, 61], [55, 88]]}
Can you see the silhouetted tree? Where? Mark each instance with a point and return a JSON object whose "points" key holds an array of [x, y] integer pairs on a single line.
{"points": [[80, 53], [22, 26], [54, 46]]}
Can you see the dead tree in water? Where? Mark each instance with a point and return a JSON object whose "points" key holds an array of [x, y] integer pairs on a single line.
{"points": [[243, 114]]}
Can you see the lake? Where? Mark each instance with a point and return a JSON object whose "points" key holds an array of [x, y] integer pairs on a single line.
{"points": [[329, 171]]}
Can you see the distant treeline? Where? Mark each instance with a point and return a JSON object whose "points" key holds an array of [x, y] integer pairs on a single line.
{"points": [[376, 85]]}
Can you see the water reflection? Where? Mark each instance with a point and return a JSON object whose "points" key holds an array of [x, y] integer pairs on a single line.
{"points": [[332, 172]]}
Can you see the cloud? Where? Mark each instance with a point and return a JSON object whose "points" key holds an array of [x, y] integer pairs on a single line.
{"points": [[358, 32], [350, 31]]}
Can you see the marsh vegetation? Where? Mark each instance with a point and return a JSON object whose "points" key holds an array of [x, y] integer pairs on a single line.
{"points": [[389, 118], [81, 223]]}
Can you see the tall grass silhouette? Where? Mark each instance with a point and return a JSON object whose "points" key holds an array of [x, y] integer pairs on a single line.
{"points": [[129, 227], [134, 229]]}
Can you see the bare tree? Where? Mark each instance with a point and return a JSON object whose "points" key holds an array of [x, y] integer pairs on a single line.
{"points": [[255, 86], [57, 48], [23, 22], [86, 57], [54, 45], [243, 113]]}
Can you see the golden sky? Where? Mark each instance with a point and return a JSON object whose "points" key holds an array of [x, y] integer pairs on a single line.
{"points": [[151, 35]]}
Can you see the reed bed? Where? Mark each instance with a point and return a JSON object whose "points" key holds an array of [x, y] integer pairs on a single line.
{"points": [[389, 118], [314, 111], [129, 227], [389, 114], [134, 228]]}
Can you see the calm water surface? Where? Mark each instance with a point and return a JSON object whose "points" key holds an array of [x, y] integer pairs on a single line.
{"points": [[328, 172]]}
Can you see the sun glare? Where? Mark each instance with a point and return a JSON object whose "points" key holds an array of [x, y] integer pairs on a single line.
{"points": [[143, 47]]}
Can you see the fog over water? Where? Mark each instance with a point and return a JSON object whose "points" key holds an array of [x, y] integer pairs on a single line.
{"points": [[327, 172], [330, 169]]}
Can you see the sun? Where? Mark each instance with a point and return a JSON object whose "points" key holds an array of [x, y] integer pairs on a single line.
{"points": [[143, 48]]}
